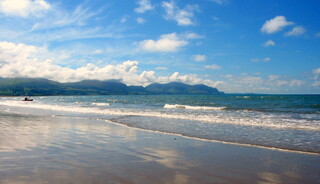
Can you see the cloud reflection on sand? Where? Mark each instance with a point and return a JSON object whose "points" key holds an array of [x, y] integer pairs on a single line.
{"points": [[29, 132], [168, 158], [46, 149]]}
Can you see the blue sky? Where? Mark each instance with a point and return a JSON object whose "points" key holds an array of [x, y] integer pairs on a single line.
{"points": [[265, 46]]}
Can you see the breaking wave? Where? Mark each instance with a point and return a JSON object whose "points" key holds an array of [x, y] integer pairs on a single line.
{"points": [[101, 104], [210, 115], [178, 106]]}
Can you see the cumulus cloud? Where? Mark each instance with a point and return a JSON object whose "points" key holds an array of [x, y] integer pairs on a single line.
{"points": [[141, 20], [251, 80], [263, 84], [213, 67], [267, 59], [144, 5], [98, 51], [228, 76], [275, 25], [266, 84], [291, 83], [20, 60], [296, 31], [273, 77], [256, 60], [192, 36], [167, 43], [189, 79], [24, 8], [161, 68], [182, 16], [220, 2], [316, 83], [296, 83], [199, 58], [316, 73], [269, 43]]}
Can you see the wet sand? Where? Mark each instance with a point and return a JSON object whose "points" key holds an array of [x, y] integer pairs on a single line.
{"points": [[44, 149]]}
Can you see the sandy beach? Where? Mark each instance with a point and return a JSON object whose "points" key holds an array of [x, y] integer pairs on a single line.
{"points": [[49, 149]]}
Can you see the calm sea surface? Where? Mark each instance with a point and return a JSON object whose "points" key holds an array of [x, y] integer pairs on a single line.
{"points": [[290, 122]]}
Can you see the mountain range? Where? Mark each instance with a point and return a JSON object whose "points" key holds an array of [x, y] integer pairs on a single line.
{"points": [[43, 87]]}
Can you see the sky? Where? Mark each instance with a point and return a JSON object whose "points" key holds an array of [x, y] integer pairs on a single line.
{"points": [[237, 46]]}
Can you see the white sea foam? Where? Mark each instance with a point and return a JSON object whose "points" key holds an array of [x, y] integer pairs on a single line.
{"points": [[236, 118], [178, 106], [243, 97], [101, 104]]}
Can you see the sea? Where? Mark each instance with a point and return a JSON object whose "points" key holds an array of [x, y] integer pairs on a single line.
{"points": [[283, 122]]}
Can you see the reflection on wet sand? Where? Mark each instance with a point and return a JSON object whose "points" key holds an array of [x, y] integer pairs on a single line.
{"points": [[168, 158], [45, 149], [27, 132], [269, 178]]}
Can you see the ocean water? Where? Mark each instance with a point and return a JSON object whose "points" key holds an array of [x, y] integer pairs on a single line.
{"points": [[286, 122]]}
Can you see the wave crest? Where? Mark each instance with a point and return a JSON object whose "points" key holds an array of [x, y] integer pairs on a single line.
{"points": [[178, 106], [101, 104]]}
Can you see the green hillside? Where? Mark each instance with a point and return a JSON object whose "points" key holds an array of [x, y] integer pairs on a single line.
{"points": [[44, 87]]}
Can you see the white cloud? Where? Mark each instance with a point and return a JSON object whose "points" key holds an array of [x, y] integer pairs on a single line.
{"points": [[317, 35], [273, 77], [11, 52], [199, 58], [123, 20], [182, 16], [161, 68], [213, 67], [256, 60], [192, 36], [144, 5], [267, 59], [71, 33], [20, 60], [141, 20], [59, 24], [269, 43], [98, 51], [296, 83], [219, 1], [79, 16], [316, 83], [274, 25], [250, 80], [24, 8], [296, 31], [228, 76], [216, 19], [189, 79], [280, 83], [166, 43], [260, 84], [316, 73]]}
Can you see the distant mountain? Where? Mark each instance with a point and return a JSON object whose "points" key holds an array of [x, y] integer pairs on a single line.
{"points": [[27, 86], [181, 88], [96, 87], [39, 87]]}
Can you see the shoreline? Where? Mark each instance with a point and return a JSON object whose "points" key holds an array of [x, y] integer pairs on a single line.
{"points": [[218, 141], [26, 108], [51, 149]]}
